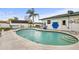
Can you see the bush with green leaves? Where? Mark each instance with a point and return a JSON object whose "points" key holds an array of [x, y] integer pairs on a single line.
{"points": [[5, 29]]}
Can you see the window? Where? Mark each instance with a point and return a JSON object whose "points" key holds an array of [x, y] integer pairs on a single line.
{"points": [[48, 21], [64, 22]]}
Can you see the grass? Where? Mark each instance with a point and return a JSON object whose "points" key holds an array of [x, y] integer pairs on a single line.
{"points": [[5, 29]]}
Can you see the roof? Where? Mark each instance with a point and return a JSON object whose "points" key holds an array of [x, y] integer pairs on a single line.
{"points": [[3, 22], [61, 15], [19, 21]]}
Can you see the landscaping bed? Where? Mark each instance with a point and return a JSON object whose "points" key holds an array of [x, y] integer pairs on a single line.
{"points": [[5, 29]]}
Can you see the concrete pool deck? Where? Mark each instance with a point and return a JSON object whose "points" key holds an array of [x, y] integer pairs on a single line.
{"points": [[11, 41]]}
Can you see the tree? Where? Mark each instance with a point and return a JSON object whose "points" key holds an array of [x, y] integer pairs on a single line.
{"points": [[10, 19], [31, 13], [15, 18]]}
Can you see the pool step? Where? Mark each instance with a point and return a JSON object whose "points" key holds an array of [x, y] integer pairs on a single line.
{"points": [[70, 40]]}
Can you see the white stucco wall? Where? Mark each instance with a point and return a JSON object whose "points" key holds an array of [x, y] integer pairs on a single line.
{"points": [[4, 25], [19, 25], [24, 25], [72, 26], [59, 20]]}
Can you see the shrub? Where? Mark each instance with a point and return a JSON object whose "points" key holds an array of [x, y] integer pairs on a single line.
{"points": [[37, 26], [5, 29]]}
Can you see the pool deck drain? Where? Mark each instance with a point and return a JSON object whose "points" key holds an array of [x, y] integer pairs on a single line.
{"points": [[11, 41]]}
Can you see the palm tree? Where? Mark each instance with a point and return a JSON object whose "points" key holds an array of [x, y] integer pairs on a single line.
{"points": [[32, 14]]}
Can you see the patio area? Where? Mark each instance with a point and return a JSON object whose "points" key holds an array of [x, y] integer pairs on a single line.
{"points": [[11, 41]]}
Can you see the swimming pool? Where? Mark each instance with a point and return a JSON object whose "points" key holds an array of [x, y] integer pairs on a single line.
{"points": [[47, 38]]}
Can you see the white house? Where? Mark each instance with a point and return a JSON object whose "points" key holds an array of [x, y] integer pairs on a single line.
{"points": [[63, 21]]}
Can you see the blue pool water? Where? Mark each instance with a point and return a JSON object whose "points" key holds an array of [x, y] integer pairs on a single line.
{"points": [[49, 38]]}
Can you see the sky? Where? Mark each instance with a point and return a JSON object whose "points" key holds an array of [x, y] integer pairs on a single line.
{"points": [[6, 13]]}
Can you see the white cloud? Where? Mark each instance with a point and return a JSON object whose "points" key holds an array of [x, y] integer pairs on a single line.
{"points": [[10, 14], [6, 15]]}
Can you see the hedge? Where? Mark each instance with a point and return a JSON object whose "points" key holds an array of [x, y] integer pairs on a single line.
{"points": [[5, 29]]}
